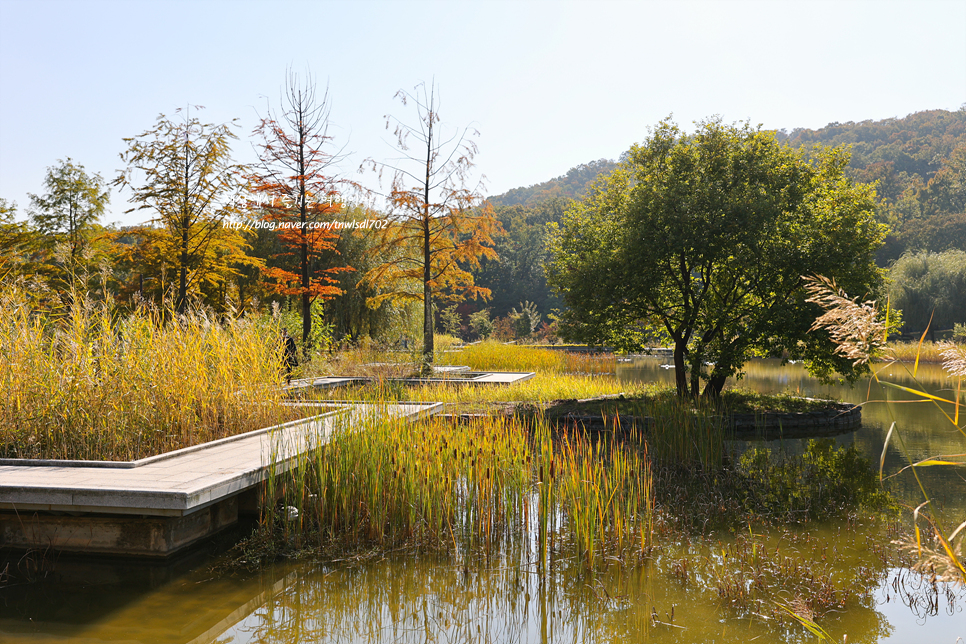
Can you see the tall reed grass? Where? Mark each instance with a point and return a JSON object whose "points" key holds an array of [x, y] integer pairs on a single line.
{"points": [[915, 352], [477, 487], [860, 334], [605, 491], [684, 432], [83, 382], [680, 431]]}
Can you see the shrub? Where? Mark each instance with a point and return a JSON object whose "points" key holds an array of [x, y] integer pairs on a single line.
{"points": [[821, 484]]}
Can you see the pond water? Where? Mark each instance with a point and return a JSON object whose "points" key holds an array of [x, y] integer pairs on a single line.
{"points": [[512, 597], [922, 429]]}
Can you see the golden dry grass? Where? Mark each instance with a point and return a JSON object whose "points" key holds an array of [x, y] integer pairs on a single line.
{"points": [[85, 383], [491, 355]]}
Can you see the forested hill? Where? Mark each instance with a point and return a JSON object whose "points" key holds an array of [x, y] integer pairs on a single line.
{"points": [[572, 185], [919, 162], [916, 145]]}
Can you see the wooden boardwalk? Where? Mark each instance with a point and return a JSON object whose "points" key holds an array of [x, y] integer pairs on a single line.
{"points": [[160, 504]]}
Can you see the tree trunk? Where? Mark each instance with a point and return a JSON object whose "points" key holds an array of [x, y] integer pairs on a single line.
{"points": [[680, 372], [185, 227], [306, 281], [428, 340], [306, 324], [697, 358], [183, 272], [712, 389]]}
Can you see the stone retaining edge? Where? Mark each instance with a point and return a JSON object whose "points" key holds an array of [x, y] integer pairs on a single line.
{"points": [[845, 417]]}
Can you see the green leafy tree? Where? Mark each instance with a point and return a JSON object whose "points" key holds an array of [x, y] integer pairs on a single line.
{"points": [[481, 324], [451, 321], [946, 191], [706, 237], [348, 313], [17, 240], [518, 273], [66, 214], [193, 186], [526, 320], [929, 289]]}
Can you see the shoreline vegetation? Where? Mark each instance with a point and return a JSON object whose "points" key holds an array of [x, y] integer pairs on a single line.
{"points": [[480, 490], [501, 491], [84, 382], [504, 481], [912, 352]]}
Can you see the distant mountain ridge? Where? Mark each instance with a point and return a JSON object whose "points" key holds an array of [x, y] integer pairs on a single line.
{"points": [[917, 145], [918, 162], [572, 185], [919, 165]]}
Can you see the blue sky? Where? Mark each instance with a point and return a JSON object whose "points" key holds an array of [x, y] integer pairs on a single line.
{"points": [[549, 85]]}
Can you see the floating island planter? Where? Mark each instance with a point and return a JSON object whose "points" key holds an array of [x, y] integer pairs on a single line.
{"points": [[156, 506], [821, 418]]}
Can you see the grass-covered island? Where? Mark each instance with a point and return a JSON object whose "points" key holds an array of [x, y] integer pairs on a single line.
{"points": [[496, 475]]}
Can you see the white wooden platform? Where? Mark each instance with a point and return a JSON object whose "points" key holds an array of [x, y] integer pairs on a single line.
{"points": [[202, 482]]}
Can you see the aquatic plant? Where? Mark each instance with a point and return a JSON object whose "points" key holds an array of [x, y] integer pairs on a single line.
{"points": [[544, 387], [860, 335], [491, 355], [822, 484], [755, 576], [85, 382], [481, 486]]}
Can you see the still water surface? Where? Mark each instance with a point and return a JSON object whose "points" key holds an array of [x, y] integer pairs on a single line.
{"points": [[408, 598]]}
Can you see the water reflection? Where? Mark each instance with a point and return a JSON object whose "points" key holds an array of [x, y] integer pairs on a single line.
{"points": [[87, 600], [923, 427], [424, 598], [427, 598]]}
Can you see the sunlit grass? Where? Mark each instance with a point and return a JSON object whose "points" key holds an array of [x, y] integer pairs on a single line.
{"points": [[491, 355], [85, 383], [910, 351], [543, 387], [370, 359]]}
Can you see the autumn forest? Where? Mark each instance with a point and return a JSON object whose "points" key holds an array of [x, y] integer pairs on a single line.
{"points": [[480, 260]]}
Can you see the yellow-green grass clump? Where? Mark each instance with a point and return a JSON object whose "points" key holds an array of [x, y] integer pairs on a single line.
{"points": [[85, 383], [491, 355], [544, 387], [369, 358], [914, 351]]}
